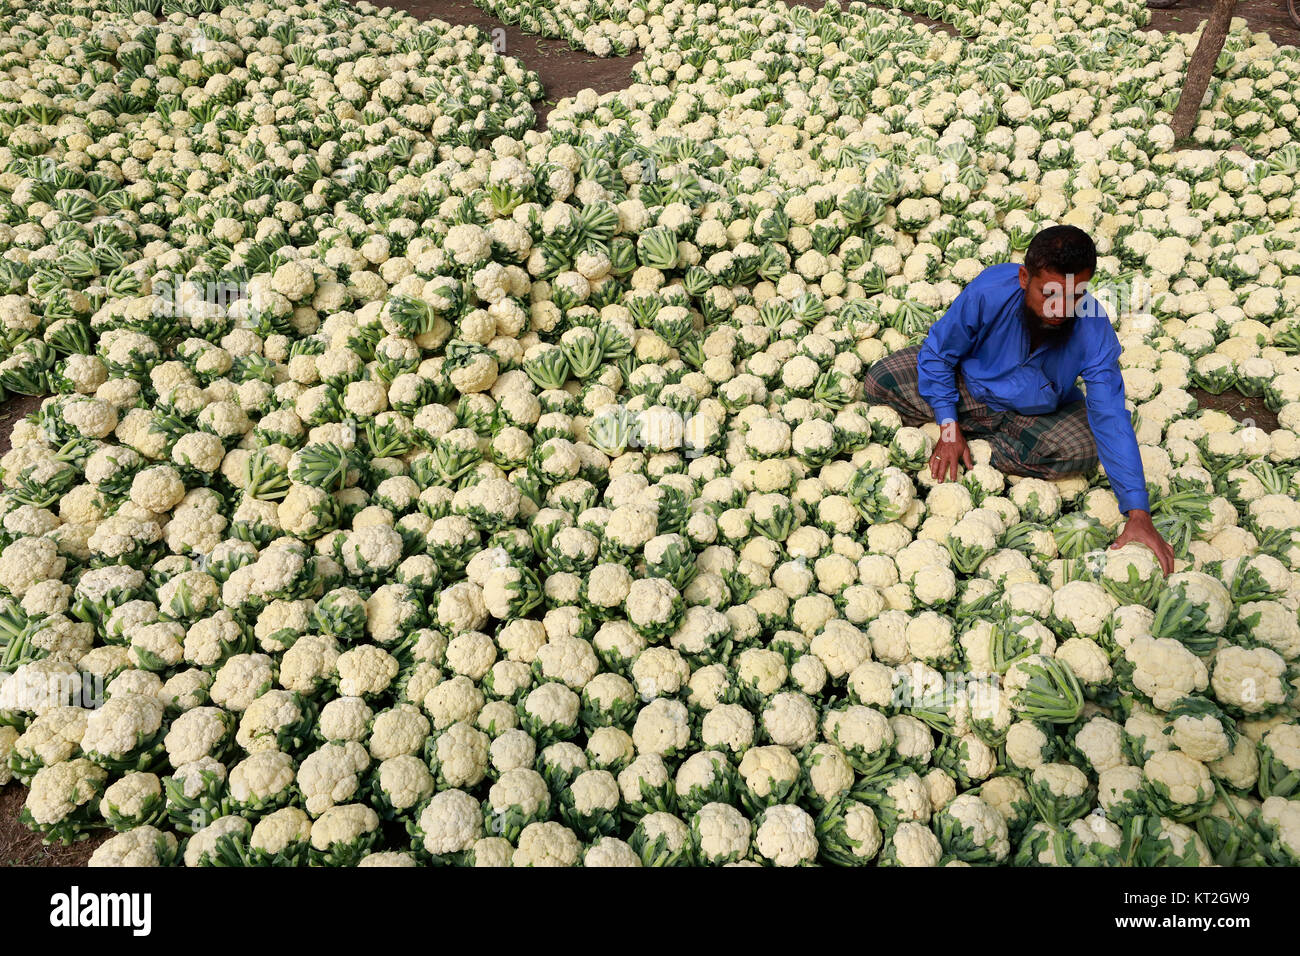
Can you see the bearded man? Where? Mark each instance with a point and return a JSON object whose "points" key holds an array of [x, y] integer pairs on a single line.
{"points": [[1003, 364]]}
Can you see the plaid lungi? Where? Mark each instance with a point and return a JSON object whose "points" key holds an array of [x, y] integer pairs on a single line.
{"points": [[1037, 446]]}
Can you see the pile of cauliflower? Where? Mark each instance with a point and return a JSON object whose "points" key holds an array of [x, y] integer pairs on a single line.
{"points": [[415, 487]]}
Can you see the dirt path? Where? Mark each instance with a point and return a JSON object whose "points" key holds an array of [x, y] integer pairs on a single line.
{"points": [[563, 71], [1263, 16]]}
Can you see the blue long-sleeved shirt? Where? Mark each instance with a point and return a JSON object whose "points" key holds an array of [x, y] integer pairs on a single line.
{"points": [[983, 333]]}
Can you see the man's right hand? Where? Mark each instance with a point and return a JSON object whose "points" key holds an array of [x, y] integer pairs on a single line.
{"points": [[950, 450]]}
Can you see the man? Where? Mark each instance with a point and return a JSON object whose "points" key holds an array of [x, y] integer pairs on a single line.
{"points": [[1022, 336]]}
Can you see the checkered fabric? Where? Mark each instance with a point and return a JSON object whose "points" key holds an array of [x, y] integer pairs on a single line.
{"points": [[1037, 446]]}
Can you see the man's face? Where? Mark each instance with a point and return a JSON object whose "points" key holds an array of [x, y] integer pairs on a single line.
{"points": [[1052, 300]]}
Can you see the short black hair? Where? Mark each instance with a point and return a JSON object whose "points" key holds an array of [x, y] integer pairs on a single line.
{"points": [[1064, 250]]}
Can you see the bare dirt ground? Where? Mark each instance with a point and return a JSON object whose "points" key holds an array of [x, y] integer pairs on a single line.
{"points": [[564, 72], [1239, 406], [19, 846], [1263, 16]]}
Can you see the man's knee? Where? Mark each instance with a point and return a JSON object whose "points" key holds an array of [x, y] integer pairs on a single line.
{"points": [[1069, 441], [1055, 446], [1010, 460], [893, 380], [873, 380], [1056, 463]]}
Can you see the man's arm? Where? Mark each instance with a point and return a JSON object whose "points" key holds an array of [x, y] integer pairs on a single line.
{"points": [[949, 341], [1112, 429], [1117, 448]]}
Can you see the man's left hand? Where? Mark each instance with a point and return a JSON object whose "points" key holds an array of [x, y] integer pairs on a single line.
{"points": [[1140, 530]]}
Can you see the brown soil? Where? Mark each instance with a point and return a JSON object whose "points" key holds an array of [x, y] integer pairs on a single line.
{"points": [[1262, 16], [564, 72], [940, 25], [19, 846], [12, 410], [1240, 407]]}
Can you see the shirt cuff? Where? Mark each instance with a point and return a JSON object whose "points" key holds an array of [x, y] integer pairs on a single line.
{"points": [[1133, 501], [945, 413]]}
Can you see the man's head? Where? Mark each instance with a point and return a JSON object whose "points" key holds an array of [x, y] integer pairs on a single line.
{"points": [[1058, 264]]}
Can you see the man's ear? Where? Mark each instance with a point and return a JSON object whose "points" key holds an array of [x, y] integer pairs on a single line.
{"points": [[1024, 278]]}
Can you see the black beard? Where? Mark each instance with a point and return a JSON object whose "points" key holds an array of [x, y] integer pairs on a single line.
{"points": [[1042, 333]]}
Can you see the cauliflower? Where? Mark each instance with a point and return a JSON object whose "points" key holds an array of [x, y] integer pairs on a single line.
{"points": [[1249, 682], [157, 489], [310, 661], [720, 833], [592, 799], [8, 738], [126, 729], [547, 844], [1028, 746], [29, 561], [912, 844], [786, 836], [728, 726], [768, 772], [1165, 670], [61, 796], [1083, 608], [913, 740], [365, 671], [138, 847], [133, 800], [662, 727], [241, 680], [1087, 659], [762, 670], [1101, 742], [790, 720], [864, 734], [202, 848], [1279, 751], [398, 731], [262, 781], [930, 638], [1179, 787], [199, 732], [331, 775], [659, 671], [343, 834], [972, 830], [653, 607], [569, 660], [518, 797], [459, 755], [1009, 797], [450, 823], [282, 836], [841, 648], [610, 851], [344, 719], [405, 781], [456, 699], [1281, 819], [511, 750], [1274, 626]]}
